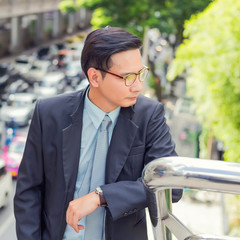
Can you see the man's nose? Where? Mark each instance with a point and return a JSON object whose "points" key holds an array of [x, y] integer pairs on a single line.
{"points": [[137, 85]]}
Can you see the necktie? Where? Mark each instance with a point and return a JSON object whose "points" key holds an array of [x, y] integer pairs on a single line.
{"points": [[95, 221]]}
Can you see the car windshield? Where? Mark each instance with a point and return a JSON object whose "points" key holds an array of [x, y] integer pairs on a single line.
{"points": [[17, 147]]}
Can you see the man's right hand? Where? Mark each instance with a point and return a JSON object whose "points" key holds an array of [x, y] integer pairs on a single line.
{"points": [[81, 207]]}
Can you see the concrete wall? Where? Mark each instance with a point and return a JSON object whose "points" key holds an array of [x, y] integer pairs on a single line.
{"points": [[13, 8], [38, 21], [4, 42]]}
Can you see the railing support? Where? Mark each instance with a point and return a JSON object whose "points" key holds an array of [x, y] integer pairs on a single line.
{"points": [[182, 172]]}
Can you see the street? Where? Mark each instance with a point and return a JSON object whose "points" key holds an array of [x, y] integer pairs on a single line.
{"points": [[7, 221]]}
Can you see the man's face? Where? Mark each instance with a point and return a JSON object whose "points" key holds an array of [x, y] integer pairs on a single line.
{"points": [[112, 91]]}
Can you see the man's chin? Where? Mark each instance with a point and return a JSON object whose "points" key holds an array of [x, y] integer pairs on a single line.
{"points": [[129, 103]]}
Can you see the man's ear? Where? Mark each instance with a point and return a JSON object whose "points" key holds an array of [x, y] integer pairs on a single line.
{"points": [[94, 76]]}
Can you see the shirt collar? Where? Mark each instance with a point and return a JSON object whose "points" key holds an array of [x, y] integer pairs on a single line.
{"points": [[96, 114]]}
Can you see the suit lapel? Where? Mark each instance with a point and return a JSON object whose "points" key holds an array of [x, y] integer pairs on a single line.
{"points": [[121, 143], [71, 142], [120, 146]]}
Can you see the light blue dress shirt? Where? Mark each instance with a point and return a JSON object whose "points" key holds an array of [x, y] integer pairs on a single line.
{"points": [[92, 119]]}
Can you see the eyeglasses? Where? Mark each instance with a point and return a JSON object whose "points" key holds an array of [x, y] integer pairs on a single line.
{"points": [[131, 77]]}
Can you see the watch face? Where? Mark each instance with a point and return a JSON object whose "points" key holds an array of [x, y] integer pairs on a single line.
{"points": [[99, 191]]}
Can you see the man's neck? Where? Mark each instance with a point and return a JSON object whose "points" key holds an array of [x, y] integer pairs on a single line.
{"points": [[98, 100]]}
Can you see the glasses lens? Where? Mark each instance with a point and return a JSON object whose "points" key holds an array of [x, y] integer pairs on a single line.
{"points": [[129, 79], [143, 74]]}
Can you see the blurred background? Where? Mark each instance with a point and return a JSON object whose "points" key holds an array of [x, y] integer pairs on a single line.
{"points": [[193, 51]]}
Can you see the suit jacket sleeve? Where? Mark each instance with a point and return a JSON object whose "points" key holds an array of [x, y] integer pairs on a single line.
{"points": [[28, 197], [126, 197]]}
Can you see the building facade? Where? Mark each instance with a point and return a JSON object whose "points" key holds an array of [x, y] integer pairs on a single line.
{"points": [[25, 23]]}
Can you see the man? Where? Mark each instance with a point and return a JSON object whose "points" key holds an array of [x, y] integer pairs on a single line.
{"points": [[67, 188]]}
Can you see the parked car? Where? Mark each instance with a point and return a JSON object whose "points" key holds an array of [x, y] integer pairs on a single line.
{"points": [[38, 70], [47, 52], [23, 63], [62, 58], [18, 86], [2, 134], [74, 73], [61, 45], [12, 154], [52, 84], [18, 109], [7, 77], [6, 186], [77, 46], [3, 73], [83, 84]]}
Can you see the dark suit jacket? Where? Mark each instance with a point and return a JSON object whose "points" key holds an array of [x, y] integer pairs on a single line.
{"points": [[48, 170]]}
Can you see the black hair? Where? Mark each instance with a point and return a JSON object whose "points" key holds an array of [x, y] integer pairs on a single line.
{"points": [[102, 43]]}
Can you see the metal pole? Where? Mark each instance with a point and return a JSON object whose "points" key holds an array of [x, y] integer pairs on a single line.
{"points": [[182, 172]]}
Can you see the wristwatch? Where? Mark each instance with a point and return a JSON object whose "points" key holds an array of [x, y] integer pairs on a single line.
{"points": [[99, 191]]}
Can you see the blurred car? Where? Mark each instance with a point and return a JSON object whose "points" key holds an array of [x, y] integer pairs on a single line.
{"points": [[3, 73], [6, 186], [62, 58], [38, 70], [61, 45], [83, 84], [19, 109], [2, 133], [23, 63], [18, 86], [52, 84], [7, 77], [77, 46], [74, 73], [12, 154], [4, 78], [47, 52]]}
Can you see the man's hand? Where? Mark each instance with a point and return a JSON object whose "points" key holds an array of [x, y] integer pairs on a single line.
{"points": [[81, 207]]}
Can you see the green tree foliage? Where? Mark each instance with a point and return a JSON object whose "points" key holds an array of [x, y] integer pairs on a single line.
{"points": [[68, 6], [129, 14], [210, 55], [167, 15], [173, 14]]}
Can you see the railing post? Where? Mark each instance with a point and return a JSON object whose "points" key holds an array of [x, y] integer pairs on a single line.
{"points": [[181, 172], [168, 194]]}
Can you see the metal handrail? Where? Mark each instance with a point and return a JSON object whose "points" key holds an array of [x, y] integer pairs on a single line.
{"points": [[182, 172]]}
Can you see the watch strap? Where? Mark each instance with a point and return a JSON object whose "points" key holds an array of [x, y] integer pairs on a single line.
{"points": [[103, 202]]}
